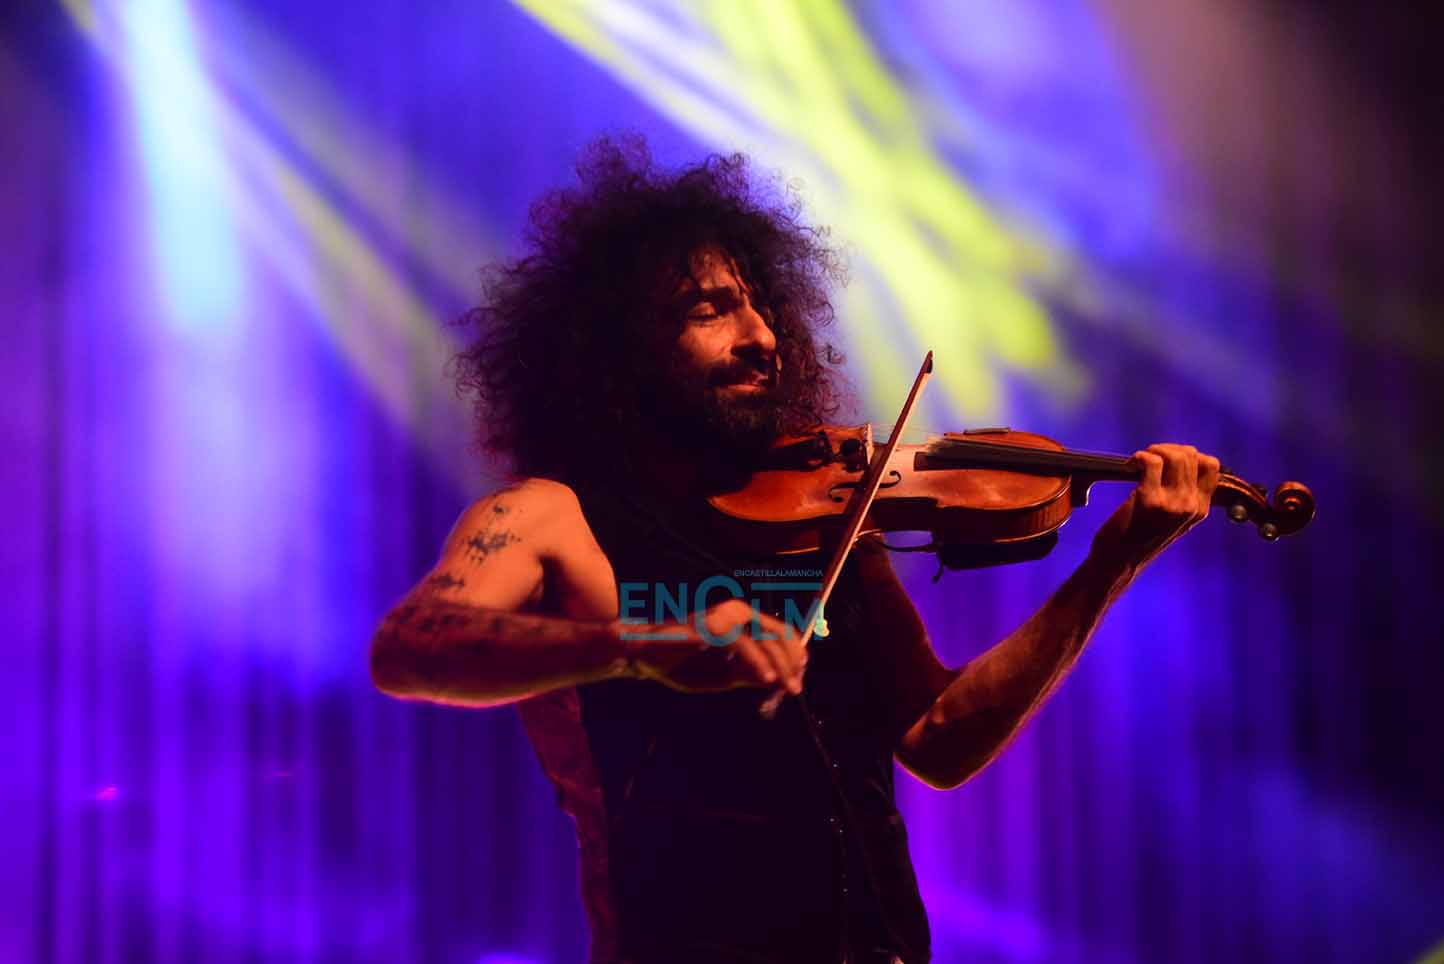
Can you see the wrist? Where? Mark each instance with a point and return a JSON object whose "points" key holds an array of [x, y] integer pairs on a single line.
{"points": [[623, 651], [633, 643]]}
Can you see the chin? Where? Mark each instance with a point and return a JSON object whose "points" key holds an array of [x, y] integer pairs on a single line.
{"points": [[715, 420], [744, 422]]}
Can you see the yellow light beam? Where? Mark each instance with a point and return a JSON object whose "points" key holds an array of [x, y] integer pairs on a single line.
{"points": [[799, 85], [380, 324]]}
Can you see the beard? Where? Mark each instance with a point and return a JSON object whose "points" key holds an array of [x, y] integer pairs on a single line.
{"points": [[697, 413]]}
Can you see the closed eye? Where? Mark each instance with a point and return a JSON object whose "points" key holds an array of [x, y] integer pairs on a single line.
{"points": [[714, 302]]}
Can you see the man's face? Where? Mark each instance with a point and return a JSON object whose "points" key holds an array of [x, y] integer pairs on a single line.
{"points": [[720, 387]]}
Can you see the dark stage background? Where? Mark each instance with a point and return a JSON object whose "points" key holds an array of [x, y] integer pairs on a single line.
{"points": [[234, 234]]}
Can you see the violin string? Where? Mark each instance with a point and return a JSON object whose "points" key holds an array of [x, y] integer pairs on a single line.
{"points": [[971, 450], [940, 446]]}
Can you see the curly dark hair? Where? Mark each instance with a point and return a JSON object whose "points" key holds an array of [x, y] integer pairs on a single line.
{"points": [[562, 334]]}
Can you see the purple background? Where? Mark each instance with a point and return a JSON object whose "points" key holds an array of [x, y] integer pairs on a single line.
{"points": [[229, 448]]}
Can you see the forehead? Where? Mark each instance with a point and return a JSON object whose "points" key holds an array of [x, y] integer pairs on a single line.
{"points": [[712, 267]]}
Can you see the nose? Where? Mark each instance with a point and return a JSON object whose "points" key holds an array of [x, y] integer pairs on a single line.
{"points": [[754, 335]]}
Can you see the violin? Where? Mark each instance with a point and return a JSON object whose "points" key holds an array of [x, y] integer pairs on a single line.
{"points": [[987, 496]]}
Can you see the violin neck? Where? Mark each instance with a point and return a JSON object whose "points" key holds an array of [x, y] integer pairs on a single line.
{"points": [[1287, 510], [1099, 467]]}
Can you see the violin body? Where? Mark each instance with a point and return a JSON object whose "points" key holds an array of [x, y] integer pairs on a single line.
{"points": [[987, 496]]}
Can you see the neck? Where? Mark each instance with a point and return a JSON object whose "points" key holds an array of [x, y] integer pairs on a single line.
{"points": [[680, 475], [669, 474]]}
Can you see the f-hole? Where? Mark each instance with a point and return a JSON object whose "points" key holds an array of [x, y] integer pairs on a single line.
{"points": [[892, 478]]}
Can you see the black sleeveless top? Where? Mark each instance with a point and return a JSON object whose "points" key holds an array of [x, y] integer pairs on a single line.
{"points": [[723, 832]]}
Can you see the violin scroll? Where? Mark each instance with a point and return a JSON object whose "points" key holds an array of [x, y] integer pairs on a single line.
{"points": [[1286, 511]]}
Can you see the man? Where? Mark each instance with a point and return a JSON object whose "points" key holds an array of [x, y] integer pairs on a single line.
{"points": [[656, 340]]}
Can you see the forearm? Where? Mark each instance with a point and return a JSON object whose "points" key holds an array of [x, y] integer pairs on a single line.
{"points": [[991, 698], [445, 652]]}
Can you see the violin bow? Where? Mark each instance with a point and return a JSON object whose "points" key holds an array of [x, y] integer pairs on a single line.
{"points": [[853, 519]]}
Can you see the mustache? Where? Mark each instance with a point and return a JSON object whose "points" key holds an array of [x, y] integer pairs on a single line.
{"points": [[732, 373]]}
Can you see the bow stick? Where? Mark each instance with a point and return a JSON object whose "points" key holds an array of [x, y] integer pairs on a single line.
{"points": [[853, 520]]}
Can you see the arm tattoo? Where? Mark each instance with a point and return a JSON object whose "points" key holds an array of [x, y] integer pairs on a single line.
{"points": [[491, 537], [432, 647], [445, 580], [448, 651], [482, 544], [429, 622]]}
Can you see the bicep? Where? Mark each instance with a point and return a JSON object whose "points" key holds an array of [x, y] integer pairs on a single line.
{"points": [[493, 557]]}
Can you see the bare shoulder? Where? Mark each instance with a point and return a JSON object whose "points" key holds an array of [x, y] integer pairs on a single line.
{"points": [[524, 510], [529, 544], [498, 549], [531, 493]]}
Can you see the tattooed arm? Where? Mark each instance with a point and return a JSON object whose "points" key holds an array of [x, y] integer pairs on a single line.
{"points": [[461, 636], [464, 635]]}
